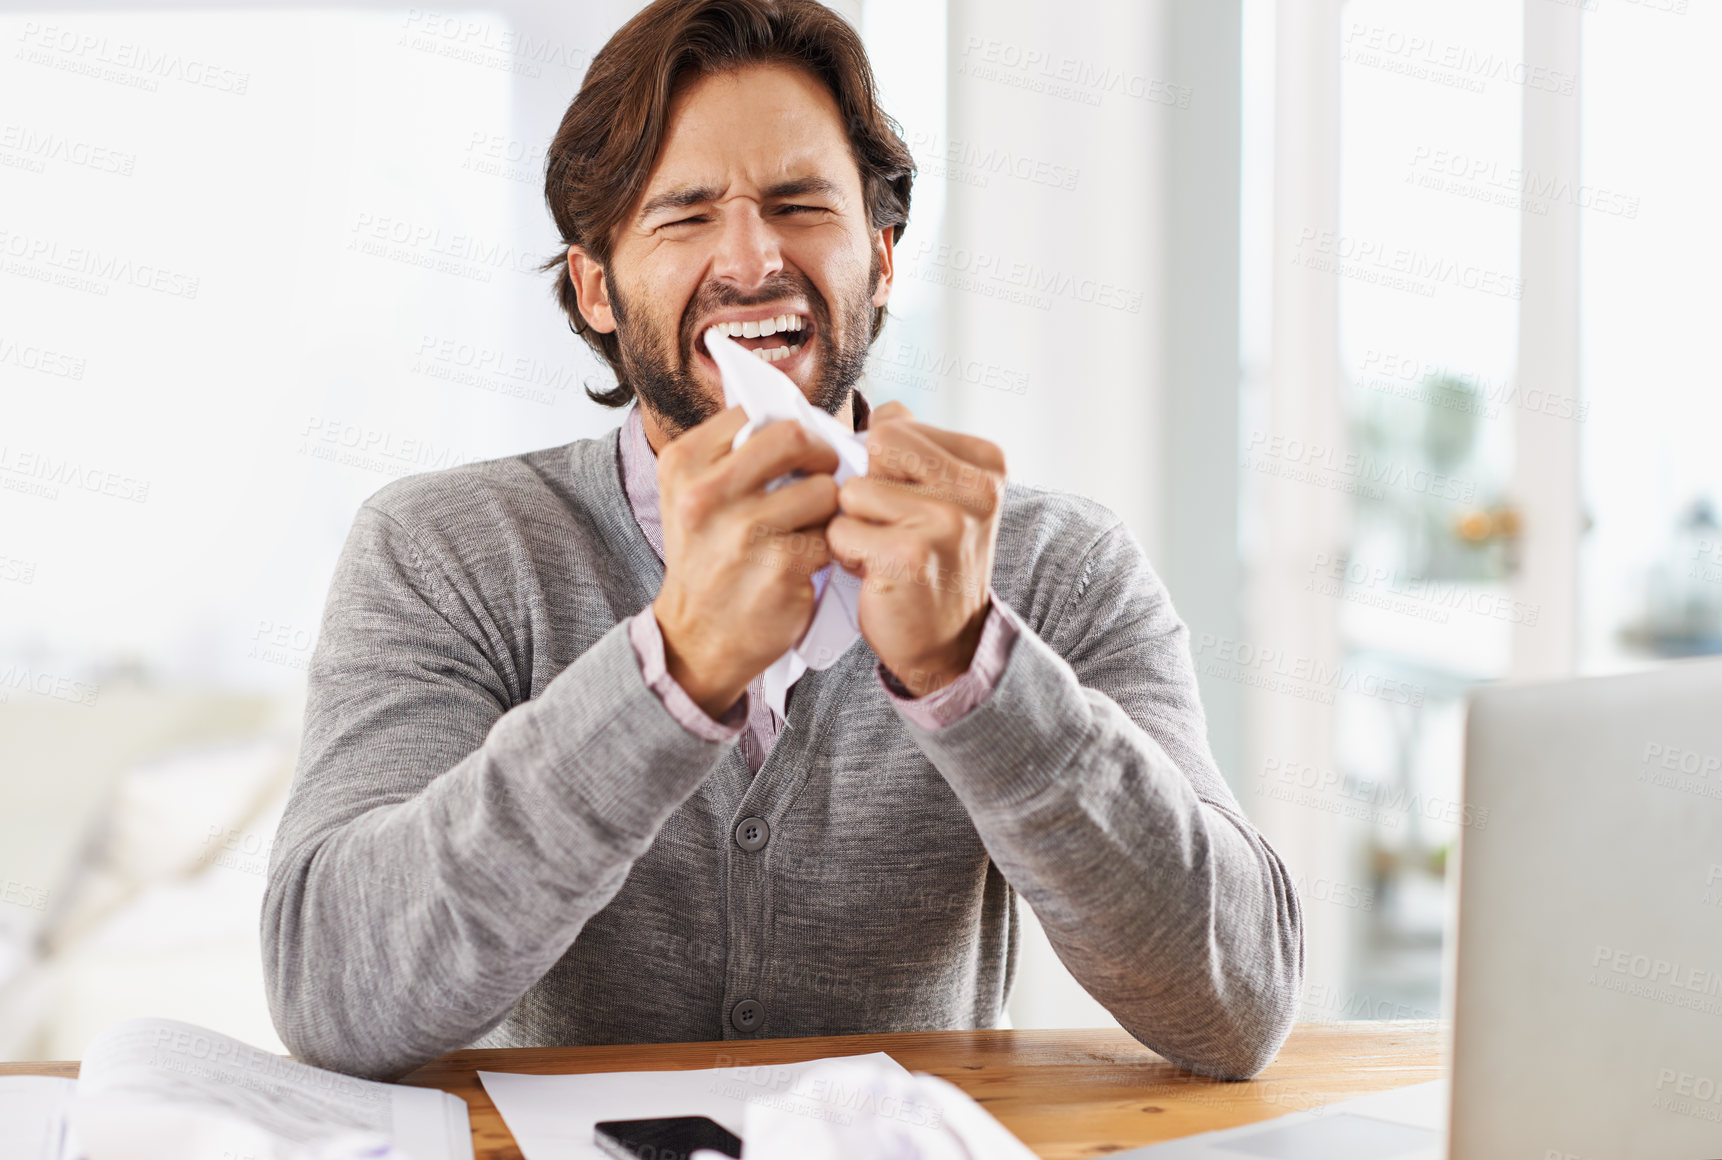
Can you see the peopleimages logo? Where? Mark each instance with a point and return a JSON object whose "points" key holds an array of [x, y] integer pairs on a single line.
{"points": [[1379, 586], [1684, 1083], [1381, 803], [1650, 968], [15, 893], [1397, 267], [87, 268], [1421, 380], [432, 247], [974, 164], [60, 688], [1686, 1093], [42, 360], [1065, 77], [141, 65], [1345, 894], [1296, 676], [1687, 770], [17, 571], [1690, 987], [43, 473], [967, 269], [1484, 179], [1316, 462], [1454, 65], [37, 147], [909, 364], [460, 37], [375, 449]]}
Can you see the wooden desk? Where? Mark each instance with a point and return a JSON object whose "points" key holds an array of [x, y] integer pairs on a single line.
{"points": [[1066, 1094]]}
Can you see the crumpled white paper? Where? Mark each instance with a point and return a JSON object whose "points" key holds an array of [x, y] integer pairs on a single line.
{"points": [[766, 394], [852, 1109]]}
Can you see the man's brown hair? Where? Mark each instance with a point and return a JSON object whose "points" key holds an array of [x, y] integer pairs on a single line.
{"points": [[609, 139]]}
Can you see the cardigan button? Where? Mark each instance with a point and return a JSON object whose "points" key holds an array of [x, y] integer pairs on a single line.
{"points": [[747, 1016], [752, 834]]}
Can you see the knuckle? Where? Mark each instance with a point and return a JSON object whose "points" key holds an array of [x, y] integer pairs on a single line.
{"points": [[947, 521], [695, 500], [986, 497]]}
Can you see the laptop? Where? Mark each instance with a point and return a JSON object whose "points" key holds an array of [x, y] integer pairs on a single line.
{"points": [[1587, 978]]}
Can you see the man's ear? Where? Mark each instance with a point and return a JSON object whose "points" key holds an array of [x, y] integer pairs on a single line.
{"points": [[592, 289], [887, 267]]}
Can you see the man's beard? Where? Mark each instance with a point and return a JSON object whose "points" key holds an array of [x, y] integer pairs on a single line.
{"points": [[665, 381]]}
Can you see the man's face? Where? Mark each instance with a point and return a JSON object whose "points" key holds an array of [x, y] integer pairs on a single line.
{"points": [[754, 213]]}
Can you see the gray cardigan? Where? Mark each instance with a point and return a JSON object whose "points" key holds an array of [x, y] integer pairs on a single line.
{"points": [[498, 836]]}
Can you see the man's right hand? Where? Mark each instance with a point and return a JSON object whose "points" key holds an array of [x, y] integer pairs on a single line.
{"points": [[738, 560]]}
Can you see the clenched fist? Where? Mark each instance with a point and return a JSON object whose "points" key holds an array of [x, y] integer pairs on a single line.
{"points": [[920, 528], [738, 560]]}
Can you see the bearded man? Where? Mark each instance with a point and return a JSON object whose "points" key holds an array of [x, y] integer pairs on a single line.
{"points": [[541, 797]]}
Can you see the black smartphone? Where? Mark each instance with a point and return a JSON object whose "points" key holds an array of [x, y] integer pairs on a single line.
{"points": [[676, 1138]]}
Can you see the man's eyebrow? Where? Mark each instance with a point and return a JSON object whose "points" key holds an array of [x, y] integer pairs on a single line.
{"points": [[802, 186], [680, 197], [684, 196]]}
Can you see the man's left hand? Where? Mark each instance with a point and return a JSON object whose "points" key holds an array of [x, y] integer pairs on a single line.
{"points": [[919, 529]]}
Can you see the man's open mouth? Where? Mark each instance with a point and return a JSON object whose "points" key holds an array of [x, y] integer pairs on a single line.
{"points": [[770, 339]]}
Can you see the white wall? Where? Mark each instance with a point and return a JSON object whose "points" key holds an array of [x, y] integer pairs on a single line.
{"points": [[1070, 90]]}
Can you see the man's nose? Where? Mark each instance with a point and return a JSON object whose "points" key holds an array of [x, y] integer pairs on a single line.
{"points": [[747, 250]]}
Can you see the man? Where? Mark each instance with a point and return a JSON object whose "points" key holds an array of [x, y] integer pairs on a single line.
{"points": [[541, 798]]}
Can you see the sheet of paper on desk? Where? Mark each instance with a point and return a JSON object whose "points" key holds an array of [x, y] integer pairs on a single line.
{"points": [[149, 1088], [34, 1113], [1408, 1123], [552, 1116], [154, 1088], [858, 1107]]}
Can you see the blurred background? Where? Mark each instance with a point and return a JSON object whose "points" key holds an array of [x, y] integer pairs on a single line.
{"points": [[1381, 324]]}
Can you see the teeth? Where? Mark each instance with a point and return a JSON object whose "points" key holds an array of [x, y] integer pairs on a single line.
{"points": [[763, 328], [772, 354]]}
